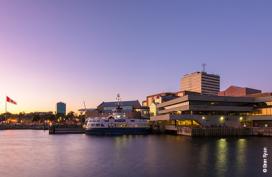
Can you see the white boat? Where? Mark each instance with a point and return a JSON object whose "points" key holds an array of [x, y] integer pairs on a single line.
{"points": [[116, 124]]}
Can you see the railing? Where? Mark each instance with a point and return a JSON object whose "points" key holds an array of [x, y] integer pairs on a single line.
{"points": [[262, 131], [217, 131]]}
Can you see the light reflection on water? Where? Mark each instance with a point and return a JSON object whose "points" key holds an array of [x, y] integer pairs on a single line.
{"points": [[221, 156], [37, 154], [241, 155]]}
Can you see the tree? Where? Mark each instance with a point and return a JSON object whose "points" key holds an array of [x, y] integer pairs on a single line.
{"points": [[70, 115]]}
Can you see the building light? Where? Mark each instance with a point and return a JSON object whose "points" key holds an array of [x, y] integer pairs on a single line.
{"points": [[266, 125], [203, 118], [241, 118], [222, 118]]}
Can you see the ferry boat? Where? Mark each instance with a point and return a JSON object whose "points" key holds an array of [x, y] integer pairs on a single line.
{"points": [[116, 124], [113, 126]]}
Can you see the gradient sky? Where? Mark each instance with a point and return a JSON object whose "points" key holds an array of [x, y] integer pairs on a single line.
{"points": [[61, 50]]}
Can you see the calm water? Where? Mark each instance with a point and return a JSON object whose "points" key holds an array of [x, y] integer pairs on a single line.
{"points": [[27, 153]]}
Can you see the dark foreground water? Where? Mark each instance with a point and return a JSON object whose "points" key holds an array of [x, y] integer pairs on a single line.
{"points": [[26, 153]]}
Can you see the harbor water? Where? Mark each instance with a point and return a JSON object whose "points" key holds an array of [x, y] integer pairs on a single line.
{"points": [[35, 153]]}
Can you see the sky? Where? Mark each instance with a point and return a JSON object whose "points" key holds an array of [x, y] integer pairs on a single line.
{"points": [[77, 50]]}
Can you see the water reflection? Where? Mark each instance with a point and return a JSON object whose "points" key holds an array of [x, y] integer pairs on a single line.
{"points": [[221, 156], [35, 153], [241, 156], [203, 156]]}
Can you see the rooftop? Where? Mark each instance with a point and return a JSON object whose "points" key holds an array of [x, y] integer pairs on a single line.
{"points": [[134, 104]]}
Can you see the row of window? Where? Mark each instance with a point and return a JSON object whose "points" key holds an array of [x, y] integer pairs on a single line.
{"points": [[177, 105], [263, 111], [98, 125]]}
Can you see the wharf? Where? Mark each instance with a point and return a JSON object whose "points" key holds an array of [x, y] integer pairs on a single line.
{"points": [[66, 130], [262, 131], [224, 131]]}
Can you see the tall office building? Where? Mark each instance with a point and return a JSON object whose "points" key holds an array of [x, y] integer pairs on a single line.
{"points": [[201, 82], [61, 108]]}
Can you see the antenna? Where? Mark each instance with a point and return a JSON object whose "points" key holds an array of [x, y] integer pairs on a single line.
{"points": [[204, 67], [118, 98]]}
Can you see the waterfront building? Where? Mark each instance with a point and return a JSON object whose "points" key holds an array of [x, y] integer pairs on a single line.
{"points": [[61, 108], [127, 106], [153, 100], [159, 97], [212, 110], [201, 82], [130, 109]]}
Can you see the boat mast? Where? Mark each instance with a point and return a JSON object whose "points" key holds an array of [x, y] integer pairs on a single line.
{"points": [[118, 98]]}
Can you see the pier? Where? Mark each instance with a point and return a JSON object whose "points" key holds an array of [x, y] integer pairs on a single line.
{"points": [[57, 129], [262, 131], [222, 132]]}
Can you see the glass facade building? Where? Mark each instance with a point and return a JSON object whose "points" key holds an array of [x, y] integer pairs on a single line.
{"points": [[61, 108]]}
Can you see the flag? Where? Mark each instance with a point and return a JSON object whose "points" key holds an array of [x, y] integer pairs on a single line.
{"points": [[8, 99]]}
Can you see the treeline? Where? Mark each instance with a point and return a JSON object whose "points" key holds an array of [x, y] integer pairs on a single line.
{"points": [[40, 117]]}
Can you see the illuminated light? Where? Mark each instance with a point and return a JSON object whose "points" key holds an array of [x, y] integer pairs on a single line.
{"points": [[241, 118], [203, 118], [244, 125], [266, 125], [222, 118], [12, 120]]}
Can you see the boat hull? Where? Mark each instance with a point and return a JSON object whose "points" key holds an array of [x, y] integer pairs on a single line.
{"points": [[118, 131]]}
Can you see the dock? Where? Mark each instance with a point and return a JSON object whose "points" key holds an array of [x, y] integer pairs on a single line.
{"points": [[224, 131], [262, 131], [66, 130]]}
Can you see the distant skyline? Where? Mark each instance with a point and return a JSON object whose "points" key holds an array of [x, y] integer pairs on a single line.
{"points": [[75, 51]]}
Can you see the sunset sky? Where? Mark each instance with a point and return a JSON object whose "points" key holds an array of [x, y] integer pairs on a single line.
{"points": [[70, 51]]}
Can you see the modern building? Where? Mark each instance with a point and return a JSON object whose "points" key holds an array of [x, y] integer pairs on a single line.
{"points": [[61, 108], [159, 97], [201, 82], [239, 91], [153, 100], [200, 103], [211, 110]]}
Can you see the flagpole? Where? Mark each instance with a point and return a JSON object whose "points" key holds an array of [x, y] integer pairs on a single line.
{"points": [[6, 106]]}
